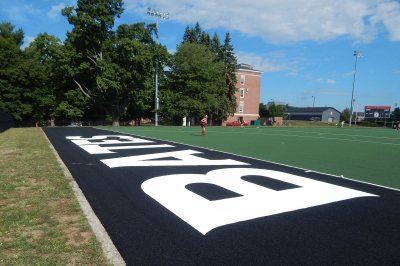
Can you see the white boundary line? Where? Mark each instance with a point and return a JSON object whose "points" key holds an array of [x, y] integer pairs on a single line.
{"points": [[305, 170], [312, 137], [107, 245]]}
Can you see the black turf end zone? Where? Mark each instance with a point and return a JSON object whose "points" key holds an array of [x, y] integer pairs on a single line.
{"points": [[357, 231]]}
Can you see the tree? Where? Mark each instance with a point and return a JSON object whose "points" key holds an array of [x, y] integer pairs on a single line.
{"points": [[112, 68], [396, 114], [125, 70], [196, 83], [345, 115], [93, 22], [15, 36], [196, 35], [276, 110], [230, 62], [222, 53], [42, 57], [15, 95], [262, 110], [216, 47]]}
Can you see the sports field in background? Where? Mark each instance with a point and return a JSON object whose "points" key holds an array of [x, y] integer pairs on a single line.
{"points": [[367, 154]]}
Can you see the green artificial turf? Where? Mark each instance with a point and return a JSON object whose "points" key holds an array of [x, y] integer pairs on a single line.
{"points": [[365, 154]]}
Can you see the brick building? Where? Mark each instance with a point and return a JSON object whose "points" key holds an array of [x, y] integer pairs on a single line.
{"points": [[247, 95]]}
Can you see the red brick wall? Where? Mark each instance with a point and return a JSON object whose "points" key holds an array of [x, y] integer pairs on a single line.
{"points": [[251, 97]]}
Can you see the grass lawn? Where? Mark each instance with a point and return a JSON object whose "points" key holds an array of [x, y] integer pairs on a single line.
{"points": [[41, 222], [365, 154]]}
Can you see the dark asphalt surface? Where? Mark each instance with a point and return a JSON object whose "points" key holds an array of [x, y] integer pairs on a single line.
{"points": [[356, 231]]}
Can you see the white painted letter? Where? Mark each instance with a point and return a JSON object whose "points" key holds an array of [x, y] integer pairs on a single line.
{"points": [[184, 157], [102, 139], [97, 149], [256, 201]]}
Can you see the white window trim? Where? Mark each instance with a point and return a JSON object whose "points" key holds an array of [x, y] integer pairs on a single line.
{"points": [[241, 107], [242, 92], [242, 79]]}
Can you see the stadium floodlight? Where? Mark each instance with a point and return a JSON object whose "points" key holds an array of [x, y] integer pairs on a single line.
{"points": [[157, 14], [357, 55]]}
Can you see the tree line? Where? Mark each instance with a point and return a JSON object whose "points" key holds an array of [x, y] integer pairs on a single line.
{"points": [[105, 72]]}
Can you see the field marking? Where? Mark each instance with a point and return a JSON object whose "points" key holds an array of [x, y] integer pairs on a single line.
{"points": [[286, 130], [244, 156], [310, 137], [336, 134], [289, 135]]}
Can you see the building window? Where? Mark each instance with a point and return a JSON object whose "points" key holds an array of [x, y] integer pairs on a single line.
{"points": [[241, 92], [242, 79], [241, 107]]}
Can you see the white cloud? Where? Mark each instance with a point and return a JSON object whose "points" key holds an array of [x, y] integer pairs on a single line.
{"points": [[55, 11], [286, 20], [21, 12], [333, 92], [27, 41], [272, 62], [326, 81], [389, 15], [330, 81]]}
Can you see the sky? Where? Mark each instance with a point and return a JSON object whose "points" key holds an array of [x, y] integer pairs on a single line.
{"points": [[305, 48]]}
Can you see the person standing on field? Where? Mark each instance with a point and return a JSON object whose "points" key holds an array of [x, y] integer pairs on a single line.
{"points": [[203, 123]]}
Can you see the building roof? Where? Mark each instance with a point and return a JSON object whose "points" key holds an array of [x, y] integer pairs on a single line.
{"points": [[247, 67], [315, 110]]}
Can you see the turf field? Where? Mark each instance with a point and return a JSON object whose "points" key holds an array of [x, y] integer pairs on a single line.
{"points": [[168, 203], [366, 154]]}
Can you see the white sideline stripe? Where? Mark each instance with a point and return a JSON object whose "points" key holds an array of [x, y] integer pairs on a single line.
{"points": [[107, 245], [305, 170], [310, 137]]}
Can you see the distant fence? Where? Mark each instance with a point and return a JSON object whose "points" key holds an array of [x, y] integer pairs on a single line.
{"points": [[68, 123], [263, 122]]}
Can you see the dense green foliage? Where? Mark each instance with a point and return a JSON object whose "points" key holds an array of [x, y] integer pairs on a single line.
{"points": [[396, 114], [262, 110], [111, 68], [196, 83], [345, 115], [276, 110], [203, 79], [15, 94]]}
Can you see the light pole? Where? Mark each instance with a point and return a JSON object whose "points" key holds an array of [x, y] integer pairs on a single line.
{"points": [[357, 55], [158, 15], [356, 104], [313, 108]]}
